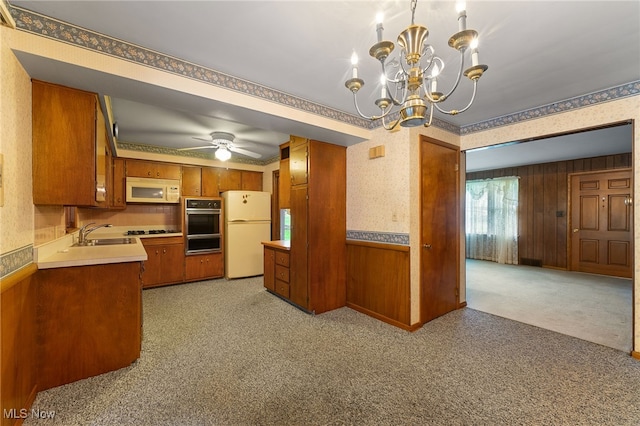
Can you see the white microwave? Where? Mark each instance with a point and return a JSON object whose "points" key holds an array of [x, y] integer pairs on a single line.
{"points": [[148, 190]]}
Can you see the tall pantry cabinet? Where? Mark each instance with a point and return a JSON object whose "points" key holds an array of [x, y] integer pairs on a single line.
{"points": [[318, 225]]}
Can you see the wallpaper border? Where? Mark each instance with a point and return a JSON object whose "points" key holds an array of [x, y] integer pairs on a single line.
{"points": [[379, 237], [607, 95], [45, 26], [12, 261]]}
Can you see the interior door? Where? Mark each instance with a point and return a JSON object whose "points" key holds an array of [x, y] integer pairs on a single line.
{"points": [[440, 228], [601, 220]]}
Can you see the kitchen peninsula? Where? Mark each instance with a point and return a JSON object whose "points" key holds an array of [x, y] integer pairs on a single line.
{"points": [[89, 309]]}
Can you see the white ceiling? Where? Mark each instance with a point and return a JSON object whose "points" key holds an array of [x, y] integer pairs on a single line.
{"points": [[538, 52]]}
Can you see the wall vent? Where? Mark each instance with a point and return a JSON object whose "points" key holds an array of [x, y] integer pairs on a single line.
{"points": [[530, 262]]}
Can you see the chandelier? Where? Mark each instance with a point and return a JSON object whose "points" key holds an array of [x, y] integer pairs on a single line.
{"points": [[410, 82]]}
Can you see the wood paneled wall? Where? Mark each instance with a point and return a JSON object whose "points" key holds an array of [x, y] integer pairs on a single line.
{"points": [[19, 333], [543, 205], [378, 281]]}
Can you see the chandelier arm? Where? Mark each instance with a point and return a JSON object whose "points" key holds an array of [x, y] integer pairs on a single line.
{"points": [[430, 117], [455, 86], [389, 95], [390, 126], [373, 117], [455, 112], [355, 102]]}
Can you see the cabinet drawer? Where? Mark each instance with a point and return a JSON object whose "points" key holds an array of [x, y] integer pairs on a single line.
{"points": [[282, 288], [282, 273], [282, 258]]}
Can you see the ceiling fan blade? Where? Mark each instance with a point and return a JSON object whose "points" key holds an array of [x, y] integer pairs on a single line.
{"points": [[197, 147], [202, 139], [244, 152]]}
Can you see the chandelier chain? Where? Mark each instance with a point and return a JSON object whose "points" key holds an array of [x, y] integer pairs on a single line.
{"points": [[414, 3]]}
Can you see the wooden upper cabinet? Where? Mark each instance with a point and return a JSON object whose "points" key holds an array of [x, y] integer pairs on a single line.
{"points": [[152, 169], [66, 131], [229, 179], [298, 161], [251, 181], [210, 182], [191, 181], [118, 185]]}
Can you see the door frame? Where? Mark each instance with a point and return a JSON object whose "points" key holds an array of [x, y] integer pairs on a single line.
{"points": [[459, 178]]}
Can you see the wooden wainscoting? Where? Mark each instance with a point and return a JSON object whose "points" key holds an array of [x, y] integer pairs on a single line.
{"points": [[19, 363], [378, 281]]}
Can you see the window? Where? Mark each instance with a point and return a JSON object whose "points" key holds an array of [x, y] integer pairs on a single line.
{"points": [[491, 219]]}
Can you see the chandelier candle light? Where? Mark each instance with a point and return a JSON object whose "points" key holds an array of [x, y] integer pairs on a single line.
{"points": [[413, 84]]}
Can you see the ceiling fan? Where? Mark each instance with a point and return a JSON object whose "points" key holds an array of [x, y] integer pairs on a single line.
{"points": [[222, 142]]}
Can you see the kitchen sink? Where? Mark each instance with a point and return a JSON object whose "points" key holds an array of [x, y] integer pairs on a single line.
{"points": [[107, 242]]}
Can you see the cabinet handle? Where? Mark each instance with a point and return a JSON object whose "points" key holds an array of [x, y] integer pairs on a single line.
{"points": [[156, 252], [157, 174], [201, 261], [149, 173], [164, 251]]}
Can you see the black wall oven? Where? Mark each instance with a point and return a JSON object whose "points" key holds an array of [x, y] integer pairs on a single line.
{"points": [[203, 222]]}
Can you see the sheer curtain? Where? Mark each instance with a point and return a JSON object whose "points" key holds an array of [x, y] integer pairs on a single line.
{"points": [[492, 220]]}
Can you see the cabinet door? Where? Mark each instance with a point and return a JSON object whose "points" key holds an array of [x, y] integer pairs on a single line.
{"points": [[172, 263], [118, 186], [152, 266], [164, 265], [298, 255], [141, 168], [191, 181], [210, 182], [284, 185], [166, 171], [269, 268], [138, 168], [204, 266], [64, 149], [230, 179], [298, 164], [251, 181]]}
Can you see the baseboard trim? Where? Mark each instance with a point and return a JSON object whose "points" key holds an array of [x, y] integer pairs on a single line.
{"points": [[635, 355], [383, 318], [462, 305]]}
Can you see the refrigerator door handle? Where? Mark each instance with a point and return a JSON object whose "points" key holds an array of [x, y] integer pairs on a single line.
{"points": [[238, 220]]}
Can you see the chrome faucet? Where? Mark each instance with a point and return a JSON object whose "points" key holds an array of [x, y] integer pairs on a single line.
{"points": [[82, 236]]}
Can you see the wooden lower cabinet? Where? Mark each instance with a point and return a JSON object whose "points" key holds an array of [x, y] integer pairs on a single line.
{"points": [[276, 269], [203, 266], [165, 261], [89, 321]]}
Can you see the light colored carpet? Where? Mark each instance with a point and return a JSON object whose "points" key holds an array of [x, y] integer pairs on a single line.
{"points": [[229, 353], [596, 308]]}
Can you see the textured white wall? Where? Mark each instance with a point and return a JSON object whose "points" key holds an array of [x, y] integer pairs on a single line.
{"points": [[378, 189], [16, 216]]}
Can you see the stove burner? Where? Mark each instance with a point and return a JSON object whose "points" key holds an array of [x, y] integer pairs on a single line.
{"points": [[135, 232]]}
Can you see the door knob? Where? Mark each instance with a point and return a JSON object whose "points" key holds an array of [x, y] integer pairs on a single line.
{"points": [[575, 230], [427, 246]]}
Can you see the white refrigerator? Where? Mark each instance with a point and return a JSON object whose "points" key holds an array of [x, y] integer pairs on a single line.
{"points": [[247, 223]]}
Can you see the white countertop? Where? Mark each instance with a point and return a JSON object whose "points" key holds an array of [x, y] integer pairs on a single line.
{"points": [[60, 253]]}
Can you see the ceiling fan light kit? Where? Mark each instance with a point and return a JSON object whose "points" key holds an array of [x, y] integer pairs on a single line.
{"points": [[410, 82], [223, 143]]}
